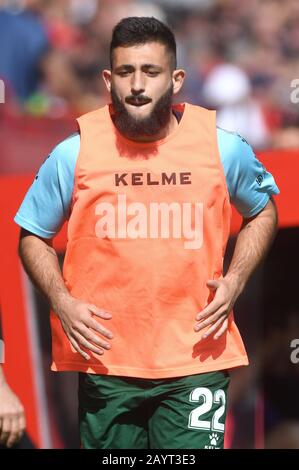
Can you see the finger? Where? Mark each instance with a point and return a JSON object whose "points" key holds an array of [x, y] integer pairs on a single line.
{"points": [[14, 430], [209, 321], [78, 349], [22, 426], [99, 312], [22, 422], [213, 328], [210, 309], [212, 319], [89, 336], [221, 330], [212, 284], [5, 432], [91, 323], [87, 344], [4, 437]]}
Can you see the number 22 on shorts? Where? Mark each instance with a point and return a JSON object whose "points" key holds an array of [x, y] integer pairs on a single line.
{"points": [[208, 400]]}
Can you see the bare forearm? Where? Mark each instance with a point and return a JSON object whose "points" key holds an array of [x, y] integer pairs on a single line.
{"points": [[41, 264], [253, 242]]}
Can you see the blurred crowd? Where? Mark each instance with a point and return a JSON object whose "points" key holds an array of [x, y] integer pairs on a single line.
{"points": [[241, 58]]}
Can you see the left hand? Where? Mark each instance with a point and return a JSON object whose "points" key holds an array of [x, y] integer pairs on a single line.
{"points": [[12, 416], [216, 312]]}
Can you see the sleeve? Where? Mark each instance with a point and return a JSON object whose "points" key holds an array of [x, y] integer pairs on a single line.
{"points": [[47, 203], [249, 184]]}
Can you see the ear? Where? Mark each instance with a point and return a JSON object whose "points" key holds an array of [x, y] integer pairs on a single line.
{"points": [[106, 76], [178, 77]]}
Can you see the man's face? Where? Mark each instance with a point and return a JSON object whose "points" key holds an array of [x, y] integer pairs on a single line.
{"points": [[141, 87]]}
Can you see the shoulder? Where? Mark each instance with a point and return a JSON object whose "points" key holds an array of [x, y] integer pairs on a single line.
{"points": [[235, 152], [67, 148], [64, 155], [61, 161], [232, 144]]}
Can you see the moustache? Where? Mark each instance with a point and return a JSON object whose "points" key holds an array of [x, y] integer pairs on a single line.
{"points": [[137, 99]]}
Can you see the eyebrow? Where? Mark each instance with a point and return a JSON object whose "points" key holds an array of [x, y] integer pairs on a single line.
{"points": [[130, 67]]}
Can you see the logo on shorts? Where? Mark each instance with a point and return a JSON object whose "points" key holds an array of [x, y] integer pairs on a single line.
{"points": [[214, 438]]}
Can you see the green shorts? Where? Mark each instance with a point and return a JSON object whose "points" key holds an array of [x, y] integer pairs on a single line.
{"points": [[132, 413]]}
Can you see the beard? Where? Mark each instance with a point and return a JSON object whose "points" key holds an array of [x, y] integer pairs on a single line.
{"points": [[148, 126]]}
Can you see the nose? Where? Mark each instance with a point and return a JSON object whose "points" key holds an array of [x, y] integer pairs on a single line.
{"points": [[137, 84]]}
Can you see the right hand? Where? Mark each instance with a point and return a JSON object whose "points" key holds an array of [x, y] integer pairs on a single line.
{"points": [[80, 327]]}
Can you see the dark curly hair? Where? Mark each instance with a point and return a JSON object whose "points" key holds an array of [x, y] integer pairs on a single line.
{"points": [[141, 30]]}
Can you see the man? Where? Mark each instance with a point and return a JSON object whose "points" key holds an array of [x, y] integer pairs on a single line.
{"points": [[12, 418], [143, 311]]}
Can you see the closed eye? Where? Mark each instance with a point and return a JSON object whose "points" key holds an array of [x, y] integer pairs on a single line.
{"points": [[125, 73], [153, 73]]}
